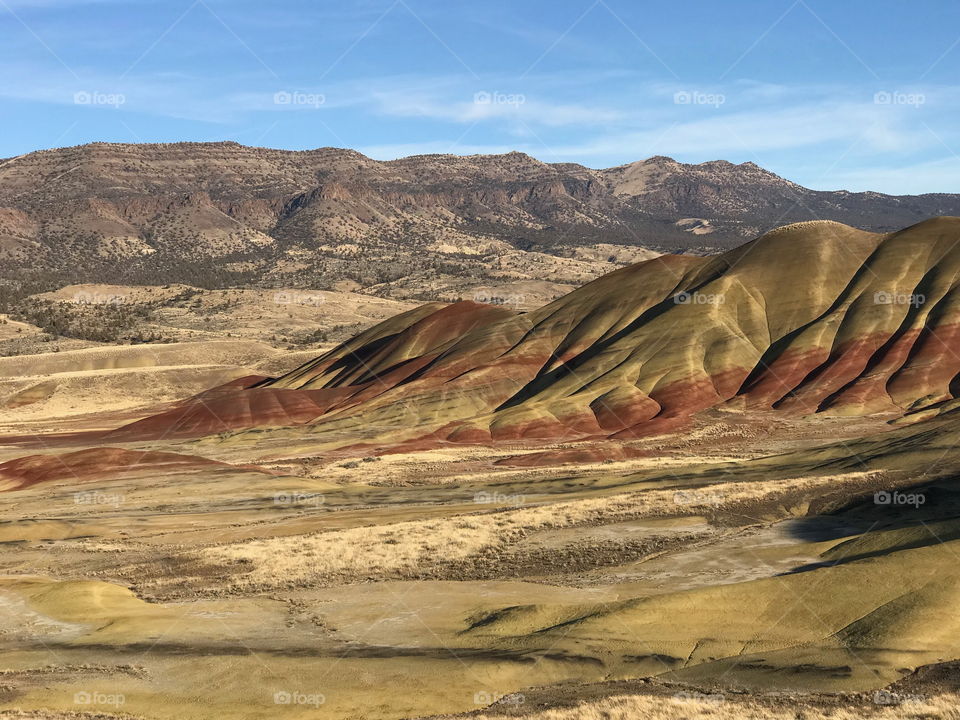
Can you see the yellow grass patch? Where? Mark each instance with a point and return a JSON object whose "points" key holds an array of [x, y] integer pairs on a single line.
{"points": [[406, 546]]}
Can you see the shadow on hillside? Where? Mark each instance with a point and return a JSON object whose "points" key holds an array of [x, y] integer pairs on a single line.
{"points": [[885, 522]]}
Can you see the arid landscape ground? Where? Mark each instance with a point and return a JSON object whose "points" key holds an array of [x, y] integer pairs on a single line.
{"points": [[649, 484]]}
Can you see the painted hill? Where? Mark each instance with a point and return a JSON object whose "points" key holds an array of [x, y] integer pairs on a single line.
{"points": [[811, 318], [423, 227]]}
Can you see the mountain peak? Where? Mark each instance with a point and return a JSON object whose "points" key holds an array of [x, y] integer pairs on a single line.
{"points": [[83, 212], [659, 160]]}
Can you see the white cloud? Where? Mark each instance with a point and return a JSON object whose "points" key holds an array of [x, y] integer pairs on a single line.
{"points": [[43, 4], [934, 176], [715, 134], [493, 104], [563, 118]]}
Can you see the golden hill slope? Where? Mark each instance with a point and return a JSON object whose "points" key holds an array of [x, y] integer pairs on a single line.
{"points": [[813, 317]]}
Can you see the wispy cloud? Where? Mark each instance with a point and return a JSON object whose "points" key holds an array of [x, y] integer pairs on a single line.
{"points": [[57, 4], [842, 121], [557, 117], [942, 175]]}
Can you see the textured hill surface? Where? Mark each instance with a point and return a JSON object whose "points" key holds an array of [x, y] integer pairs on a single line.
{"points": [[416, 227], [811, 318]]}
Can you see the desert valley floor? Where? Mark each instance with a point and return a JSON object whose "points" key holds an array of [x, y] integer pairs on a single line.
{"points": [[622, 504]]}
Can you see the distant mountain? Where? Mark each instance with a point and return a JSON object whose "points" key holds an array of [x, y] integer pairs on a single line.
{"points": [[419, 227]]}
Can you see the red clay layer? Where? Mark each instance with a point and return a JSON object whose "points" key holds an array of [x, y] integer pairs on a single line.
{"points": [[485, 358], [100, 463]]}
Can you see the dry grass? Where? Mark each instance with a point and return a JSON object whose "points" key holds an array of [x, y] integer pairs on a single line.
{"points": [[404, 547], [632, 707]]}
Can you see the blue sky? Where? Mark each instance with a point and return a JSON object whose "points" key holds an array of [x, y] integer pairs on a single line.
{"points": [[831, 94]]}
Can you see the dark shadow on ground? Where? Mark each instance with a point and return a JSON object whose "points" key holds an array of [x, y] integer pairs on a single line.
{"points": [[911, 516]]}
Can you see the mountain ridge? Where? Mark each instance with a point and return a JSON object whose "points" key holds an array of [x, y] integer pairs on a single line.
{"points": [[424, 227]]}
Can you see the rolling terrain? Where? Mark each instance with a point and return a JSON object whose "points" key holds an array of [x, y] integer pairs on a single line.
{"points": [[869, 329], [721, 486]]}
